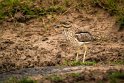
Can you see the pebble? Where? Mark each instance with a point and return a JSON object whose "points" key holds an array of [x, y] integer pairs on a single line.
{"points": [[23, 57], [44, 39], [1, 56]]}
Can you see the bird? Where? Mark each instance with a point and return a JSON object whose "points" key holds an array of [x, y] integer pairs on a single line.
{"points": [[78, 40]]}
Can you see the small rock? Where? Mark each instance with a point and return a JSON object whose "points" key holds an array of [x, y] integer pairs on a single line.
{"points": [[23, 57], [35, 58], [44, 39], [1, 56], [29, 60]]}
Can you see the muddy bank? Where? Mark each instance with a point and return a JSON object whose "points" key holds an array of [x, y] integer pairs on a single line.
{"points": [[76, 74], [37, 43]]}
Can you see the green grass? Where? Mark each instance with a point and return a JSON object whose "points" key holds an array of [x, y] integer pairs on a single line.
{"points": [[116, 76], [33, 8], [121, 22], [55, 78], [62, 78], [78, 63], [57, 9], [109, 5], [23, 80], [75, 75], [118, 62], [8, 8]]}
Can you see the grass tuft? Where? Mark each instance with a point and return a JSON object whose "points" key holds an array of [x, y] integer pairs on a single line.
{"points": [[35, 8], [121, 22], [78, 63], [9, 8], [75, 75], [23, 80], [114, 7], [115, 76], [55, 78]]}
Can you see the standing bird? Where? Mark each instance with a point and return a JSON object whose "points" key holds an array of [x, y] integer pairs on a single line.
{"points": [[78, 40]]}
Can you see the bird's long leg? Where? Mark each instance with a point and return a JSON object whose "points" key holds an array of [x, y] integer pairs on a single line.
{"points": [[77, 54], [85, 51]]}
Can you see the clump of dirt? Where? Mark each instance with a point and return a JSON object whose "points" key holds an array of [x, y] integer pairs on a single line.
{"points": [[40, 42]]}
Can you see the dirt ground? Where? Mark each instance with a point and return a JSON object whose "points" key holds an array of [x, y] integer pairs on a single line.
{"points": [[40, 42]]}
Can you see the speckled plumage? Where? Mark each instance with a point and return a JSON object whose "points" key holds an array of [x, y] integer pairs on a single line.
{"points": [[78, 39], [84, 37]]}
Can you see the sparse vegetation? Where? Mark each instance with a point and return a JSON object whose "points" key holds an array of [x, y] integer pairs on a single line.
{"points": [[11, 8], [64, 78], [16, 80], [33, 8], [114, 7], [118, 62], [77, 63], [55, 78], [109, 5], [121, 22], [116, 76], [75, 74]]}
